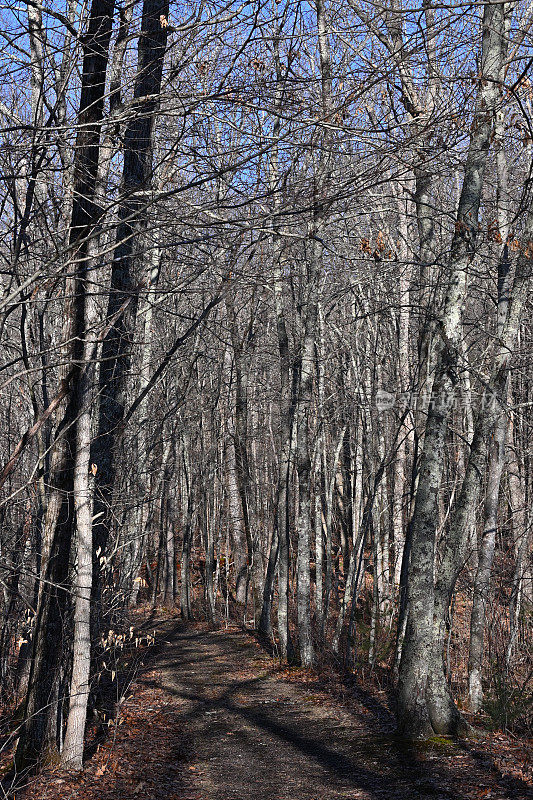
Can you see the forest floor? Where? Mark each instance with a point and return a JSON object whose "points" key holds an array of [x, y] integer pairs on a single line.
{"points": [[211, 716]]}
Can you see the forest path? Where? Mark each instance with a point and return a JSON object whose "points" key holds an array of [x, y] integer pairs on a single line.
{"points": [[212, 717], [245, 732], [254, 735]]}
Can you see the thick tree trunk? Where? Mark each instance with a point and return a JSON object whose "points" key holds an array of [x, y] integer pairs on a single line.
{"points": [[444, 715], [137, 180], [413, 714], [37, 742]]}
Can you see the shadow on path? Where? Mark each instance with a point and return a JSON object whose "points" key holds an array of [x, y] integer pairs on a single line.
{"points": [[212, 719], [254, 735]]}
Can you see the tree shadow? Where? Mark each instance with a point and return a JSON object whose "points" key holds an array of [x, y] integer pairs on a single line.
{"points": [[253, 747], [383, 765]]}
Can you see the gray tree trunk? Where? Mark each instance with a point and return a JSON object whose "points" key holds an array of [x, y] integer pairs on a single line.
{"points": [[444, 715], [38, 738], [124, 288], [413, 713]]}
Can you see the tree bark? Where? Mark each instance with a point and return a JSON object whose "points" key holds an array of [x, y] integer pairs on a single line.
{"points": [[37, 742], [413, 713], [136, 188]]}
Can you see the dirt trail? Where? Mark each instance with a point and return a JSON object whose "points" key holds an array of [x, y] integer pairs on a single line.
{"points": [[252, 735], [211, 719]]}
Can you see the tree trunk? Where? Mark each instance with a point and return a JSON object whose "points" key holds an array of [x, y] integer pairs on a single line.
{"points": [[444, 715], [485, 558], [125, 274], [521, 538], [413, 714], [185, 577], [37, 742]]}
